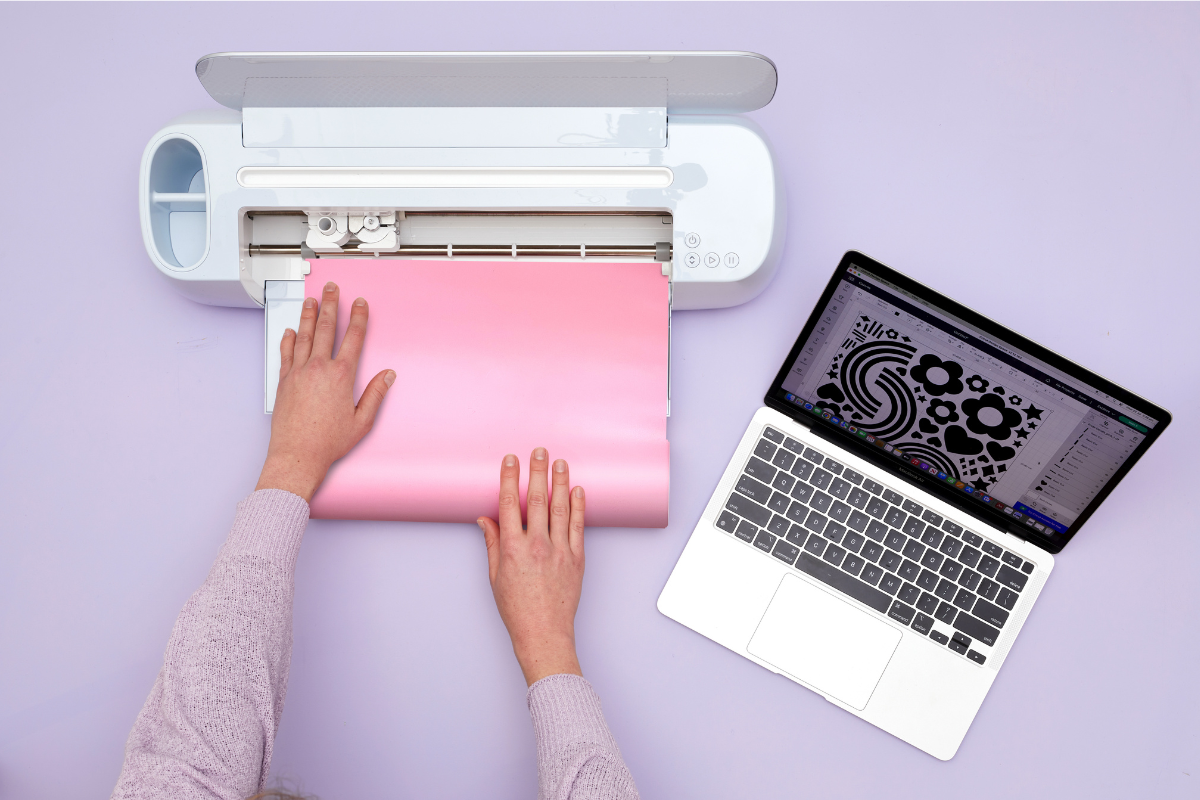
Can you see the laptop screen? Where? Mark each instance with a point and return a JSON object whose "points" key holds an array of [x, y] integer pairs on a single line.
{"points": [[976, 410]]}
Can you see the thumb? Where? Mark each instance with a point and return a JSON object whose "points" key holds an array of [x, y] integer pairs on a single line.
{"points": [[372, 398], [491, 538]]}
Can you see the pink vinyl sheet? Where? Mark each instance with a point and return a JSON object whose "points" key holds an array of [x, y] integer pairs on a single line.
{"points": [[501, 357]]}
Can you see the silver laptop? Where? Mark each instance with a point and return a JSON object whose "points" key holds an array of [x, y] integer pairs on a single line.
{"points": [[890, 516]]}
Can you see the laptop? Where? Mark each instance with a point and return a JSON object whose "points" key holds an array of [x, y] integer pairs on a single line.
{"points": [[891, 514]]}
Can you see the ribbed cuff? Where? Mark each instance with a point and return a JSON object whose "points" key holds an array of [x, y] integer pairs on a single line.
{"points": [[565, 709], [269, 523]]}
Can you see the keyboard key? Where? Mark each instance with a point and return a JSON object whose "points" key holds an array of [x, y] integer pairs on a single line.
{"points": [[779, 502], [871, 574], [802, 469], [1007, 598], [778, 525], [946, 612], [932, 518], [927, 603], [911, 507], [746, 531], [993, 615], [852, 476], [932, 559], [774, 435], [1011, 578], [964, 600], [950, 569], [755, 490], [1027, 568], [989, 588], [820, 479], [913, 527], [797, 535], [913, 549], [820, 501], [727, 521], [877, 531], [839, 511], [833, 466], [847, 584], [909, 594], [896, 540], [853, 564], [858, 521], [784, 460], [797, 511], [871, 486], [988, 566], [803, 492], [815, 522], [970, 556], [760, 469], [785, 552], [951, 546], [958, 645], [992, 549], [877, 507], [745, 507], [815, 544], [946, 589], [834, 555], [872, 551], [793, 445], [783, 482], [939, 637], [927, 580], [1012, 559], [891, 561], [976, 628], [976, 656], [765, 449], [892, 497], [853, 542], [834, 531], [813, 456], [951, 528], [972, 539], [764, 541], [890, 583], [932, 536], [969, 579], [895, 517], [909, 571], [901, 612], [922, 624], [839, 489], [858, 498]]}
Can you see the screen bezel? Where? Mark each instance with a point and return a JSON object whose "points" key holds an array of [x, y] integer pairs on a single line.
{"points": [[1051, 540]]}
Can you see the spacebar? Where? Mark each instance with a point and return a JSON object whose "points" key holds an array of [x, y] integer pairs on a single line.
{"points": [[831, 575]]}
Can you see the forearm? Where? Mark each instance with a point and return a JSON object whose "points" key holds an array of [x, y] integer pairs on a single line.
{"points": [[578, 758], [207, 728]]}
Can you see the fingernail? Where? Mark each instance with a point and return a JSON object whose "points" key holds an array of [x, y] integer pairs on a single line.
{"points": [[479, 522], [560, 466], [360, 302], [309, 302], [329, 287], [390, 377], [510, 460], [540, 454], [286, 331], [578, 492]]}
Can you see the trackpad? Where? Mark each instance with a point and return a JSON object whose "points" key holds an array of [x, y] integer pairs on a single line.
{"points": [[824, 641]]}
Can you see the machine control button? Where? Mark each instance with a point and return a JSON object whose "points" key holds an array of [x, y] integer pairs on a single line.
{"points": [[692, 259], [691, 239], [731, 260], [712, 260]]}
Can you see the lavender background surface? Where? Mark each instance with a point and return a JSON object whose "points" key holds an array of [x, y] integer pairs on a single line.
{"points": [[1040, 163]]}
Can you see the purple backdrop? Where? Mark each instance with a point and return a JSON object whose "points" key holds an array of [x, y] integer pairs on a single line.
{"points": [[1040, 163]]}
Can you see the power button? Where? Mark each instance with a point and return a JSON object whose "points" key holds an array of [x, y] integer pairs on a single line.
{"points": [[691, 239]]}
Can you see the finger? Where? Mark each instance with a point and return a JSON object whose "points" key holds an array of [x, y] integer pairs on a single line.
{"points": [[304, 336], [560, 504], [287, 349], [536, 499], [326, 323], [510, 496], [356, 332], [372, 398], [576, 527], [491, 539]]}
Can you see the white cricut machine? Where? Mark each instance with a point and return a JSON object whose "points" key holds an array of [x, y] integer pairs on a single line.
{"points": [[557, 156]]}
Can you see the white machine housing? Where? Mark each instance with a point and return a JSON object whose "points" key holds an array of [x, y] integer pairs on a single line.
{"points": [[563, 156]]}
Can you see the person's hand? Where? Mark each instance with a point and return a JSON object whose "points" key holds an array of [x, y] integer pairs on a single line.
{"points": [[315, 421], [537, 574]]}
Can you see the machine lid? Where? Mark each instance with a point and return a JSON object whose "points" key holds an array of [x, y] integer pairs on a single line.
{"points": [[682, 82]]}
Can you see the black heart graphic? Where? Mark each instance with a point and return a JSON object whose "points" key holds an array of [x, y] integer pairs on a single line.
{"points": [[901, 371], [856, 415], [928, 426], [957, 441], [999, 452], [935, 441], [830, 391]]}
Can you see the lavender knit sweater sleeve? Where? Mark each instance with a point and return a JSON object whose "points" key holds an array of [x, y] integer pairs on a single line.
{"points": [[208, 727]]}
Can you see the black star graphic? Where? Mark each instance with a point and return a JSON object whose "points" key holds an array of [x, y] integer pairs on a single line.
{"points": [[832, 373], [980, 484], [1033, 412], [1022, 433], [921, 397], [1033, 426], [865, 319]]}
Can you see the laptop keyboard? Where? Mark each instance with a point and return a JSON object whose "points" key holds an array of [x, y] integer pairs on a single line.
{"points": [[869, 542]]}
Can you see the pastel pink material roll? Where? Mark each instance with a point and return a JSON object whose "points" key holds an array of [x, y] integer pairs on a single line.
{"points": [[494, 358]]}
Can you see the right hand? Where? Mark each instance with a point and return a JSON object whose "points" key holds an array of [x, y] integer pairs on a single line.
{"points": [[537, 573]]}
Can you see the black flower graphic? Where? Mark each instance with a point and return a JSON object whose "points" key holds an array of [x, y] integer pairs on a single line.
{"points": [[938, 377], [1016, 401], [943, 411], [977, 384], [989, 415]]}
